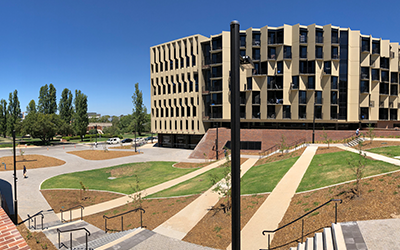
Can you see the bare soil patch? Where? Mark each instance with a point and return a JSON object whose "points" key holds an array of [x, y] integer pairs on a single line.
{"points": [[191, 164], [157, 212], [379, 200], [101, 155], [280, 156], [35, 240], [64, 199], [30, 162], [214, 230]]}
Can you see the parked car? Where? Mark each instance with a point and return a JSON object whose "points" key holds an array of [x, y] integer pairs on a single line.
{"points": [[126, 140], [115, 140]]}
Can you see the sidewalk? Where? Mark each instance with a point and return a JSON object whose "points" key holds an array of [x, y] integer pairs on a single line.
{"points": [[123, 200], [271, 212], [373, 155], [179, 225]]}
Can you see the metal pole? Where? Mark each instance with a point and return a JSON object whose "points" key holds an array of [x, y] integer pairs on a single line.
{"points": [[216, 145], [235, 134], [313, 127], [135, 137], [15, 182], [96, 135]]}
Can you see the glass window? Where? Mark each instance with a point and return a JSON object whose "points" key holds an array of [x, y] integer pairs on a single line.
{"points": [[295, 82], [287, 52], [302, 97], [279, 67], [242, 40], [334, 82], [318, 52], [303, 51], [327, 67], [318, 97]]}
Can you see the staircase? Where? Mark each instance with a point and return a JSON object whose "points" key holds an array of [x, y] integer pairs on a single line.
{"points": [[355, 142], [337, 237]]}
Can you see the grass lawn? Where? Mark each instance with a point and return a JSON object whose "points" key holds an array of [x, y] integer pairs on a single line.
{"points": [[195, 185], [390, 151], [332, 168], [149, 174], [264, 178]]}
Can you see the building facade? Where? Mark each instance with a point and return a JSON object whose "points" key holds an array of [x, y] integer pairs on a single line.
{"points": [[337, 76]]}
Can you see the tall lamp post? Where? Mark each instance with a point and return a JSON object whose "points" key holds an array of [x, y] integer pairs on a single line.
{"points": [[216, 144], [96, 134], [135, 136], [313, 126], [15, 182], [235, 134]]}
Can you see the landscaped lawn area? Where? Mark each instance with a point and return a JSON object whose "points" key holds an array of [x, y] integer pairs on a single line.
{"points": [[390, 151], [333, 168], [149, 174], [195, 185], [264, 178]]}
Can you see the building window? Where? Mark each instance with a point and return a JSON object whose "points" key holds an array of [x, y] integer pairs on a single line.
{"points": [[302, 97], [287, 52], [327, 67], [318, 52], [303, 51], [286, 112], [295, 82], [318, 97], [334, 82]]}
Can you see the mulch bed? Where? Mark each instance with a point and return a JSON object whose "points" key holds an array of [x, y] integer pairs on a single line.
{"points": [[64, 199], [380, 199], [30, 162], [191, 164], [157, 212], [214, 230], [101, 155]]}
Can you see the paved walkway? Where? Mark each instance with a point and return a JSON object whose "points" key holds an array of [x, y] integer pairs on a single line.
{"points": [[152, 190], [271, 212], [30, 199], [373, 155], [179, 225]]}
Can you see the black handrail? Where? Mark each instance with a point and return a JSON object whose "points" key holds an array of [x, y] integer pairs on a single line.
{"points": [[277, 146], [33, 216], [122, 218], [70, 236], [302, 227], [70, 212]]}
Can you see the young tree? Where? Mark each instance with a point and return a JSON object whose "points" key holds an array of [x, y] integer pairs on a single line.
{"points": [[3, 117], [357, 165], [14, 111], [370, 132], [65, 106], [139, 110], [31, 108], [81, 120], [327, 140], [283, 145]]}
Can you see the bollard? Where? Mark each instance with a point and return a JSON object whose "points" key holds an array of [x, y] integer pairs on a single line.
{"points": [[63, 147], [47, 149]]}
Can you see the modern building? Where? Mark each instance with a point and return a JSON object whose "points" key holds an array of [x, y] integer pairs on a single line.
{"points": [[336, 75]]}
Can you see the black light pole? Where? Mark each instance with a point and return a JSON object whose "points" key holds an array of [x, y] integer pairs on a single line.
{"points": [[313, 126], [15, 183], [96, 135], [235, 134], [216, 145]]}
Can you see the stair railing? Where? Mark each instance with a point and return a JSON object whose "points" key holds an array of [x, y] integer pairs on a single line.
{"points": [[34, 219], [122, 218], [87, 233], [277, 147], [302, 223], [70, 212]]}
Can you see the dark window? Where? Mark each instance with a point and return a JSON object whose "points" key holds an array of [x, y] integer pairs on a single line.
{"points": [[256, 112], [256, 54], [334, 99], [327, 67], [249, 83], [286, 112], [287, 52], [375, 74], [333, 112], [393, 77], [394, 90], [364, 87], [311, 82], [217, 43], [318, 52], [295, 82], [364, 73], [271, 37], [216, 58], [364, 113], [302, 112], [335, 36], [216, 71], [365, 45], [383, 113], [393, 114], [385, 76], [279, 67], [318, 97], [303, 36], [376, 48], [271, 112], [384, 63], [256, 97], [383, 88], [318, 112], [242, 40], [302, 97], [334, 82], [271, 53], [303, 51], [319, 36], [335, 52], [256, 38]]}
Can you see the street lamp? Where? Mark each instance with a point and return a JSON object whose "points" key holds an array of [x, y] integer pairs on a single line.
{"points": [[15, 183], [216, 144], [96, 134], [135, 135], [313, 127]]}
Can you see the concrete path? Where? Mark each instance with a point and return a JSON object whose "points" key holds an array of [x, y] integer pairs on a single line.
{"points": [[152, 190], [271, 212], [30, 199], [373, 155], [181, 223]]}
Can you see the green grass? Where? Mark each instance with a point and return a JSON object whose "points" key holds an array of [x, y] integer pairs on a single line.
{"points": [[195, 185], [263, 178], [149, 174], [390, 151], [333, 168]]}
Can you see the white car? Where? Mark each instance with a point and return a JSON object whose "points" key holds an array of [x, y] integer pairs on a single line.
{"points": [[115, 140]]}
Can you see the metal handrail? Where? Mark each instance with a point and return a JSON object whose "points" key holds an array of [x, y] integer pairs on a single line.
{"points": [[70, 212], [70, 236], [33, 216], [122, 218], [302, 227], [277, 146]]}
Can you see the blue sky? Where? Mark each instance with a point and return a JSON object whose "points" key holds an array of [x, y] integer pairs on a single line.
{"points": [[102, 47]]}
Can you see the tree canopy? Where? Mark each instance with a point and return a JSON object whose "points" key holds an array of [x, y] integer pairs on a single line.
{"points": [[80, 118], [14, 111], [47, 100], [65, 107], [139, 111], [3, 117]]}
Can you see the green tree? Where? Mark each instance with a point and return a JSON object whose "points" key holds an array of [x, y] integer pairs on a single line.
{"points": [[47, 100], [371, 133], [3, 117], [357, 165], [14, 112], [80, 118], [65, 106], [31, 108], [124, 123], [139, 110], [42, 126]]}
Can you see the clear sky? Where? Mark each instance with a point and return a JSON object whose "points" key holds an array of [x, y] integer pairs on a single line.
{"points": [[101, 47]]}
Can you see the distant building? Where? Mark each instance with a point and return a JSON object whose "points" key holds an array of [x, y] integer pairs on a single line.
{"points": [[93, 115], [100, 126]]}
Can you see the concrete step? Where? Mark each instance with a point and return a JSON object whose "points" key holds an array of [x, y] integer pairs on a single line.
{"points": [[301, 246], [309, 244], [105, 239], [327, 237], [318, 244], [355, 142], [338, 239]]}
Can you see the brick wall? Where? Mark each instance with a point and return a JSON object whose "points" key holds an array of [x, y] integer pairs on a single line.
{"points": [[10, 238], [271, 137]]}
